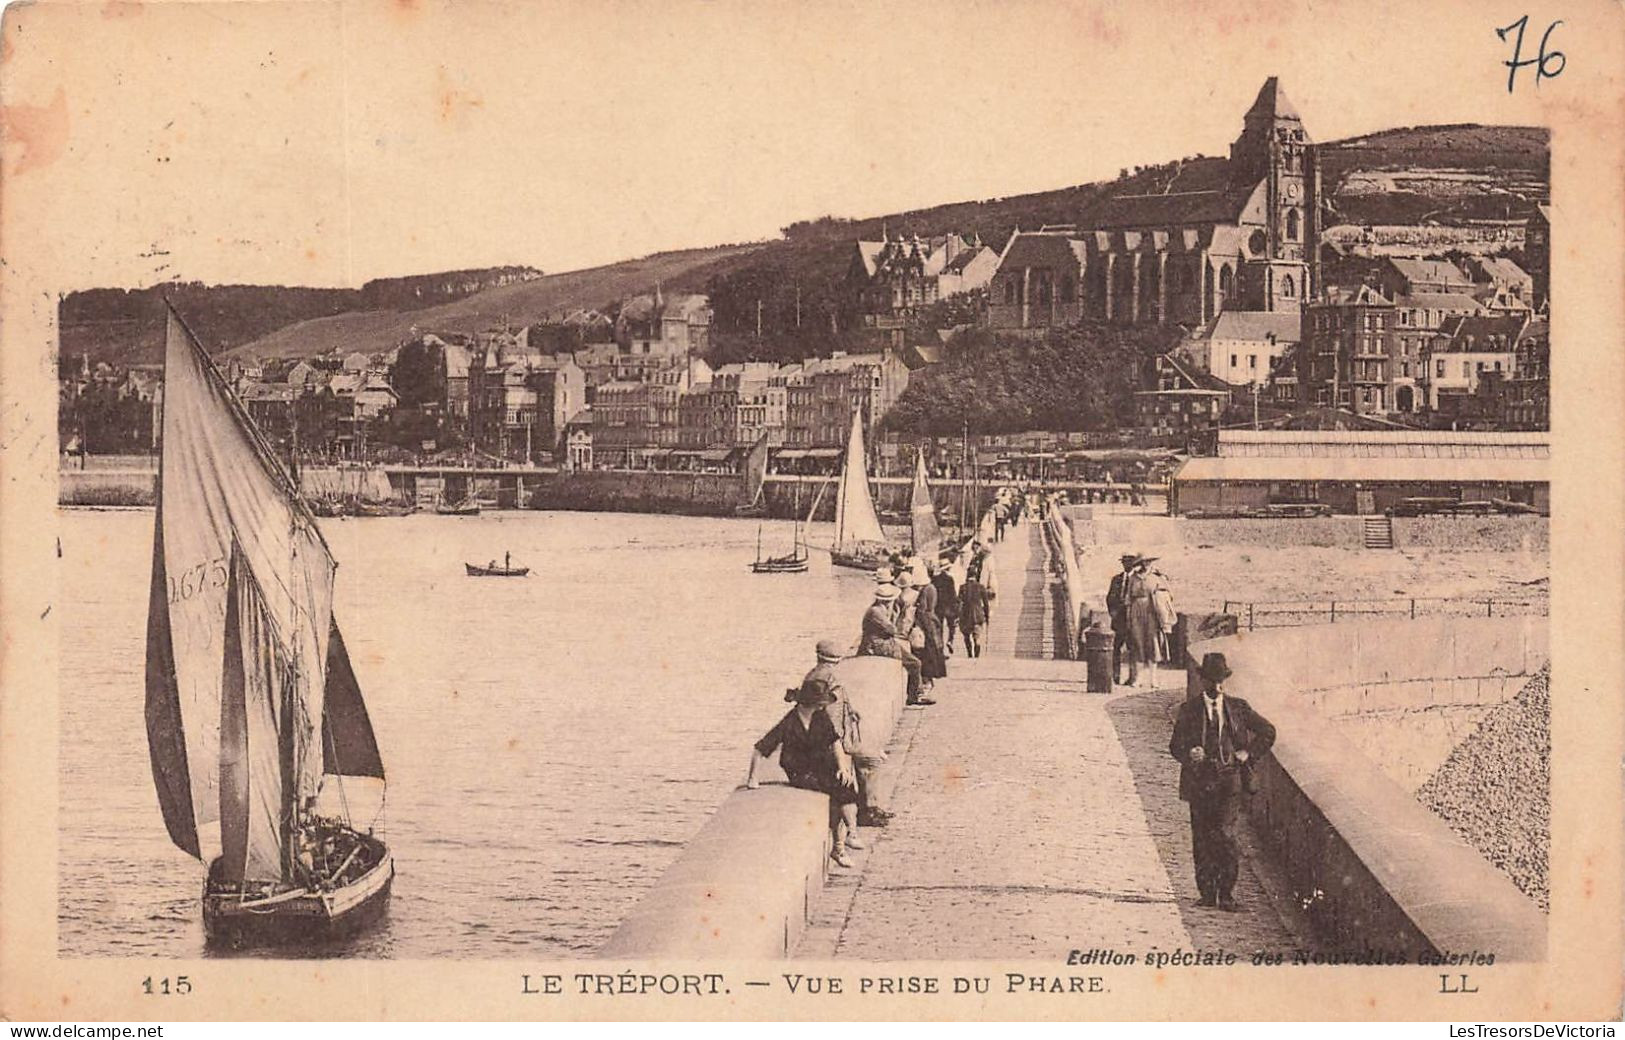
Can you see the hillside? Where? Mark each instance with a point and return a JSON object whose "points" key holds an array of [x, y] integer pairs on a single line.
{"points": [[1453, 174], [126, 326], [1439, 173], [373, 331]]}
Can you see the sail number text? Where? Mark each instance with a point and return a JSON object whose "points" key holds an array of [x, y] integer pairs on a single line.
{"points": [[210, 574], [179, 986]]}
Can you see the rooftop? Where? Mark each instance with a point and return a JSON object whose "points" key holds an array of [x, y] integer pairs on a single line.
{"points": [[1258, 325], [1367, 469]]}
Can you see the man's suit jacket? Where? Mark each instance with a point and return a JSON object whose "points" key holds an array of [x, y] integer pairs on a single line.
{"points": [[1244, 729], [1116, 606]]}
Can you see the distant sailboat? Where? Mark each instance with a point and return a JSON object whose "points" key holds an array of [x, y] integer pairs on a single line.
{"points": [[254, 716], [922, 515], [860, 541]]}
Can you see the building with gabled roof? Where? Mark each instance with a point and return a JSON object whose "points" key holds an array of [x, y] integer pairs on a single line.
{"points": [[1243, 347], [1408, 276]]}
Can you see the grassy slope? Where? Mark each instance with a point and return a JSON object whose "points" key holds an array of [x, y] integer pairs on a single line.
{"points": [[370, 331]]}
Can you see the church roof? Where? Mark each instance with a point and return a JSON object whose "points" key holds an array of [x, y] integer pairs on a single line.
{"points": [[1272, 103], [1171, 209], [1040, 249]]}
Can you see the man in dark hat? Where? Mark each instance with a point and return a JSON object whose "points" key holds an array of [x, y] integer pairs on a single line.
{"points": [[1117, 607], [1216, 739]]}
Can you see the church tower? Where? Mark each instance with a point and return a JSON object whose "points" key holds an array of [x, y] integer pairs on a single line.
{"points": [[1274, 149]]}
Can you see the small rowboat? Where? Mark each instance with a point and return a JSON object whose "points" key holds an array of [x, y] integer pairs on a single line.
{"points": [[496, 572], [492, 570], [467, 507]]}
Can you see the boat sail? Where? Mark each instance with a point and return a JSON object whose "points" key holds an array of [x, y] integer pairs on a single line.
{"points": [[922, 514], [859, 539], [252, 706]]}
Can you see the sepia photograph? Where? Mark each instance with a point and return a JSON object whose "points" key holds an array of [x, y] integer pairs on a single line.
{"points": [[995, 507]]}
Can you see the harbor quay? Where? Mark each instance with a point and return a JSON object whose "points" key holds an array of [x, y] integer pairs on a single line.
{"points": [[779, 496], [1036, 819]]}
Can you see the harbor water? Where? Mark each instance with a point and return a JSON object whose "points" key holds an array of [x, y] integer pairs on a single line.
{"points": [[551, 741]]}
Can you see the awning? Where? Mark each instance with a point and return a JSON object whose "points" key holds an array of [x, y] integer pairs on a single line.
{"points": [[716, 454], [791, 453], [823, 453]]}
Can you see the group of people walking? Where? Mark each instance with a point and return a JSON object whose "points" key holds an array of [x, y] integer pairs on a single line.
{"points": [[1141, 606]]}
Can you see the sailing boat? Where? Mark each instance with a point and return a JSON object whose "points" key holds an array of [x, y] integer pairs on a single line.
{"points": [[255, 719], [859, 539], [922, 514], [793, 562]]}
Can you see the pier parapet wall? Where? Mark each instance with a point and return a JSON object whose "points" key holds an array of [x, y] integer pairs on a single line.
{"points": [[742, 886], [1371, 865]]}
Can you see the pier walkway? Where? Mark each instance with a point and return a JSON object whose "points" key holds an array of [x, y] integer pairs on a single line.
{"points": [[1033, 817]]}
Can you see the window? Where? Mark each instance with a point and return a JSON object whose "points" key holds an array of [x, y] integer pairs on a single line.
{"points": [[1288, 287], [1232, 361], [1440, 369], [1291, 229], [1252, 360], [1010, 291]]}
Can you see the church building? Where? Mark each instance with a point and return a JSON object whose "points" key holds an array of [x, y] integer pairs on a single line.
{"points": [[1238, 233]]}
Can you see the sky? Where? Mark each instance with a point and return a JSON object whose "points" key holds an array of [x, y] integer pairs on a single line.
{"points": [[326, 143]]}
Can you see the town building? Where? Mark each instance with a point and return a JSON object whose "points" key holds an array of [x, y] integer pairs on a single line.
{"points": [[1529, 389], [665, 325], [1463, 350], [1408, 276], [1243, 347], [578, 441], [1537, 252], [1500, 275], [896, 277], [1347, 352], [1182, 401], [1417, 320]]}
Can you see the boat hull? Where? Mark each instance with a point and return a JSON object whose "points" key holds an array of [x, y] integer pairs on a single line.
{"points": [[497, 572], [298, 917], [780, 565], [860, 558]]}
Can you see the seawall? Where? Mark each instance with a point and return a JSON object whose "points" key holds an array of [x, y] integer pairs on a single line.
{"points": [[1373, 868], [743, 886]]}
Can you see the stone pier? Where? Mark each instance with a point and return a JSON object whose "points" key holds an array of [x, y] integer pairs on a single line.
{"points": [[1033, 817]]}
